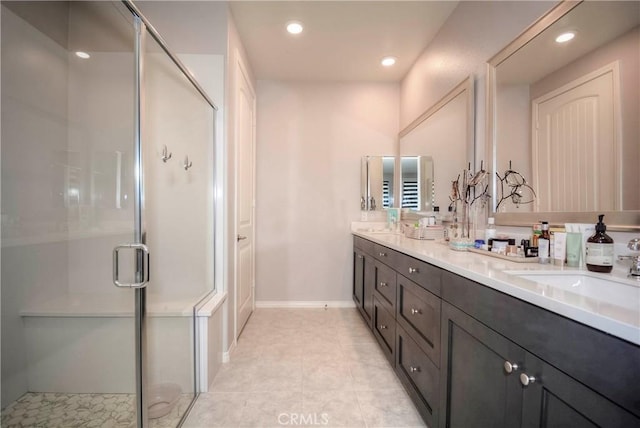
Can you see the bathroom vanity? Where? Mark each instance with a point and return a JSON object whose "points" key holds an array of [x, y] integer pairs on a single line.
{"points": [[477, 342]]}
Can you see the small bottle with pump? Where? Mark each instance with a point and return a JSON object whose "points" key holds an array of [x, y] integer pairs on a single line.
{"points": [[599, 247], [544, 242], [490, 230]]}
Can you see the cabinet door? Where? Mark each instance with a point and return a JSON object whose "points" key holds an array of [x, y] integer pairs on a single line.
{"points": [[358, 278], [369, 285], [476, 391], [553, 399]]}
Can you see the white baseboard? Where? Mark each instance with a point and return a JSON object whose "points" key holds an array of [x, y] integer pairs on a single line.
{"points": [[305, 304], [226, 356]]}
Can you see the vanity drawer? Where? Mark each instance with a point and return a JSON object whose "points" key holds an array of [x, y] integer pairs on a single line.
{"points": [[385, 285], [423, 274], [418, 312], [364, 244], [384, 329], [386, 255], [419, 375]]}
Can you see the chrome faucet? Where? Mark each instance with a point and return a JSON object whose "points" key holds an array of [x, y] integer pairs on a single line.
{"points": [[634, 269]]}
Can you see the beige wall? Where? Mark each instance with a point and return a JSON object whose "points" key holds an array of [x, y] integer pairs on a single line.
{"points": [[474, 32], [311, 137]]}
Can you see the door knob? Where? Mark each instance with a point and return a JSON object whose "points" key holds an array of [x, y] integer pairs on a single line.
{"points": [[413, 270], [240, 238]]}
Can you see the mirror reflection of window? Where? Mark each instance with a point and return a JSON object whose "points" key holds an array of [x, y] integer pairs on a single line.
{"points": [[388, 165], [410, 188]]}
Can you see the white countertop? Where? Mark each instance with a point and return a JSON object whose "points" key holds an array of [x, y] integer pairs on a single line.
{"points": [[614, 310]]}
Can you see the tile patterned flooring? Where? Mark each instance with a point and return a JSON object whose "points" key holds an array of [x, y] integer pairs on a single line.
{"points": [[291, 368], [305, 367]]}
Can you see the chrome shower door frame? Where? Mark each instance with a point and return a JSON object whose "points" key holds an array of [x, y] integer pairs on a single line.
{"points": [[143, 28]]}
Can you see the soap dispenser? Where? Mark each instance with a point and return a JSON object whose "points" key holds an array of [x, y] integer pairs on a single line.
{"points": [[599, 247]]}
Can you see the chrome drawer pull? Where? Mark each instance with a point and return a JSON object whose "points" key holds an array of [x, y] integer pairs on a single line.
{"points": [[413, 270], [383, 327], [414, 369], [383, 284], [510, 367], [415, 311], [381, 254], [525, 379]]}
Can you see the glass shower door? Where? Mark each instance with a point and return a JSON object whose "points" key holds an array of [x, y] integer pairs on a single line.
{"points": [[177, 134], [69, 193]]}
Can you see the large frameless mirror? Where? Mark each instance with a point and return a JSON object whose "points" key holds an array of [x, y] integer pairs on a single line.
{"points": [[443, 138]]}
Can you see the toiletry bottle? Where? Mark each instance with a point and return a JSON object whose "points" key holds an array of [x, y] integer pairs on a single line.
{"points": [[544, 244], [537, 231], [490, 230], [600, 249]]}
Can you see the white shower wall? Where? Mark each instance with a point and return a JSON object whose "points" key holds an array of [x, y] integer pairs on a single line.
{"points": [[25, 261]]}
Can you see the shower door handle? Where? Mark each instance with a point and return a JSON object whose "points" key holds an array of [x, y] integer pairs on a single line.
{"points": [[142, 265]]}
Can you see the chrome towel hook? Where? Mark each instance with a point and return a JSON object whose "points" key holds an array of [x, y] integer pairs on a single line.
{"points": [[187, 164], [165, 155]]}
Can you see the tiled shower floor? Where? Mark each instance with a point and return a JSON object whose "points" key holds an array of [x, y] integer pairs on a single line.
{"points": [[305, 367], [56, 410]]}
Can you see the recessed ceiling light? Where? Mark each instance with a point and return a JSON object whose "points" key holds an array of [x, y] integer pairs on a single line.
{"points": [[388, 61], [565, 37], [83, 55], [294, 27]]}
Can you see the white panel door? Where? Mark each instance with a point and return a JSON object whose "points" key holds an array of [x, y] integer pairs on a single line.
{"points": [[245, 196], [575, 152]]}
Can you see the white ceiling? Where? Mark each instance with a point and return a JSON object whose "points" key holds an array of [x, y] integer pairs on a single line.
{"points": [[342, 40]]}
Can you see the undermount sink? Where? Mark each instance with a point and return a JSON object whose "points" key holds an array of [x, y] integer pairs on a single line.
{"points": [[623, 292]]}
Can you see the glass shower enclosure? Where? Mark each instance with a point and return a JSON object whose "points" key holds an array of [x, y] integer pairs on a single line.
{"points": [[107, 218]]}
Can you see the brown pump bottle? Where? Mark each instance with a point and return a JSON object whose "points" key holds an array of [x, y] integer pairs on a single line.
{"points": [[600, 249]]}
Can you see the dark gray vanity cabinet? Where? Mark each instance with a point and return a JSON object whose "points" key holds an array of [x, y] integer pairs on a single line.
{"points": [[507, 363], [553, 399], [487, 380], [405, 318], [471, 356], [476, 390]]}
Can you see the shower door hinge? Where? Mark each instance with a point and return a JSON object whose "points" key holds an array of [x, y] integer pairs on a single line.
{"points": [[142, 265]]}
